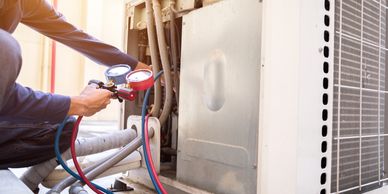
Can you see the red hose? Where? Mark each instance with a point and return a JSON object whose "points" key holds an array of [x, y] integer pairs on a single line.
{"points": [[74, 156], [148, 151]]}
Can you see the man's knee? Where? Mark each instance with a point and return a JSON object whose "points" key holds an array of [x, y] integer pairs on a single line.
{"points": [[10, 53], [10, 64], [8, 43]]}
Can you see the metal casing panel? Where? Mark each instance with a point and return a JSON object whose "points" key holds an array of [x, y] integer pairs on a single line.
{"points": [[219, 97]]}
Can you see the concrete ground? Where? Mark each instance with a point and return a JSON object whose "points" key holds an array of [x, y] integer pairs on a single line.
{"points": [[383, 190]]}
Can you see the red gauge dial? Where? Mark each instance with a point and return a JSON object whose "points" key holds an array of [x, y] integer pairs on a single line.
{"points": [[141, 79]]}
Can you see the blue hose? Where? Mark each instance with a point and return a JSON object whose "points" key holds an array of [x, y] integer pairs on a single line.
{"points": [[143, 113], [63, 164]]}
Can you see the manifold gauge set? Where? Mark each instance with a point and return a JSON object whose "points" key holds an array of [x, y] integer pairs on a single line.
{"points": [[124, 82]]}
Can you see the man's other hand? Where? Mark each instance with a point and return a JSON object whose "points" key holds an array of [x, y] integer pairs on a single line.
{"points": [[90, 101], [141, 65]]}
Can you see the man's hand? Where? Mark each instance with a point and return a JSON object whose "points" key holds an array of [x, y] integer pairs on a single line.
{"points": [[90, 101], [141, 65]]}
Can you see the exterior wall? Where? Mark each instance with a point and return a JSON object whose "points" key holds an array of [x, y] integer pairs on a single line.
{"points": [[32, 45], [94, 17]]}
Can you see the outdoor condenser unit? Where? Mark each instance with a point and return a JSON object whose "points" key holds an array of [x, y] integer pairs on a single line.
{"points": [[284, 97], [322, 89]]}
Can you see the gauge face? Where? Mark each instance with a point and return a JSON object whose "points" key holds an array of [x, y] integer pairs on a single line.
{"points": [[139, 76], [141, 79], [117, 74], [118, 71]]}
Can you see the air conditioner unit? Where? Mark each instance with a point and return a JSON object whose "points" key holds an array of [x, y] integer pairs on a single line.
{"points": [[326, 110], [272, 71], [284, 97]]}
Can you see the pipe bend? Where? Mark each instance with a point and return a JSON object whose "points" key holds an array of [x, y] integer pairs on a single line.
{"points": [[165, 61], [77, 189], [154, 57]]}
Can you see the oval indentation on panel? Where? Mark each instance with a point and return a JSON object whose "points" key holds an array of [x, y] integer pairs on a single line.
{"points": [[214, 81]]}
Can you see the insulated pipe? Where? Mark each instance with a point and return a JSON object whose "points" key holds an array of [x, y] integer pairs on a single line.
{"points": [[174, 50], [128, 149], [59, 187], [165, 61], [86, 146], [154, 58], [77, 189], [131, 147]]}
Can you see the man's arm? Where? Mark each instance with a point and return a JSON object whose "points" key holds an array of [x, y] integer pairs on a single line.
{"points": [[24, 104], [41, 16]]}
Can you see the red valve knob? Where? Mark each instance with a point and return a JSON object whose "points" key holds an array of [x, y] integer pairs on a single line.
{"points": [[126, 94]]}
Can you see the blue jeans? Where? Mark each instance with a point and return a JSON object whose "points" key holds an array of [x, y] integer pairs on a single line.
{"points": [[23, 144]]}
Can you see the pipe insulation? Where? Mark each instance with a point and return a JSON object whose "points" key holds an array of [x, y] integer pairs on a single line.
{"points": [[77, 189], [59, 187], [85, 146], [97, 169], [174, 50], [131, 147], [154, 58], [165, 61]]}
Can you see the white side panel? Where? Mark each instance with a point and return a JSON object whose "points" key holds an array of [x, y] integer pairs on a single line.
{"points": [[290, 135], [279, 97], [314, 146]]}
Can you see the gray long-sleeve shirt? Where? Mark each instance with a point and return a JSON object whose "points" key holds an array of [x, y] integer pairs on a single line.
{"points": [[24, 104]]}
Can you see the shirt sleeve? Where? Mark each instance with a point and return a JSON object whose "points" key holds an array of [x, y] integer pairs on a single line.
{"points": [[41, 16], [24, 104]]}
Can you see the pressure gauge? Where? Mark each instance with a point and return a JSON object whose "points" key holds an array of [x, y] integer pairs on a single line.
{"points": [[141, 79], [118, 73]]}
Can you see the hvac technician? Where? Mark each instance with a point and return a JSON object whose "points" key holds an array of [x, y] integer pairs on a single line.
{"points": [[28, 118]]}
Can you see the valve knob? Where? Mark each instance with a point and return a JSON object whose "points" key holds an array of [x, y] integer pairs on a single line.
{"points": [[126, 94]]}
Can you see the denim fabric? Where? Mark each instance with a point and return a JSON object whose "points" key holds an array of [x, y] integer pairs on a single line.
{"points": [[23, 145], [26, 122]]}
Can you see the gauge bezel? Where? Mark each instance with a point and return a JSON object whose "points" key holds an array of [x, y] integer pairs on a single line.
{"points": [[141, 84], [120, 78]]}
